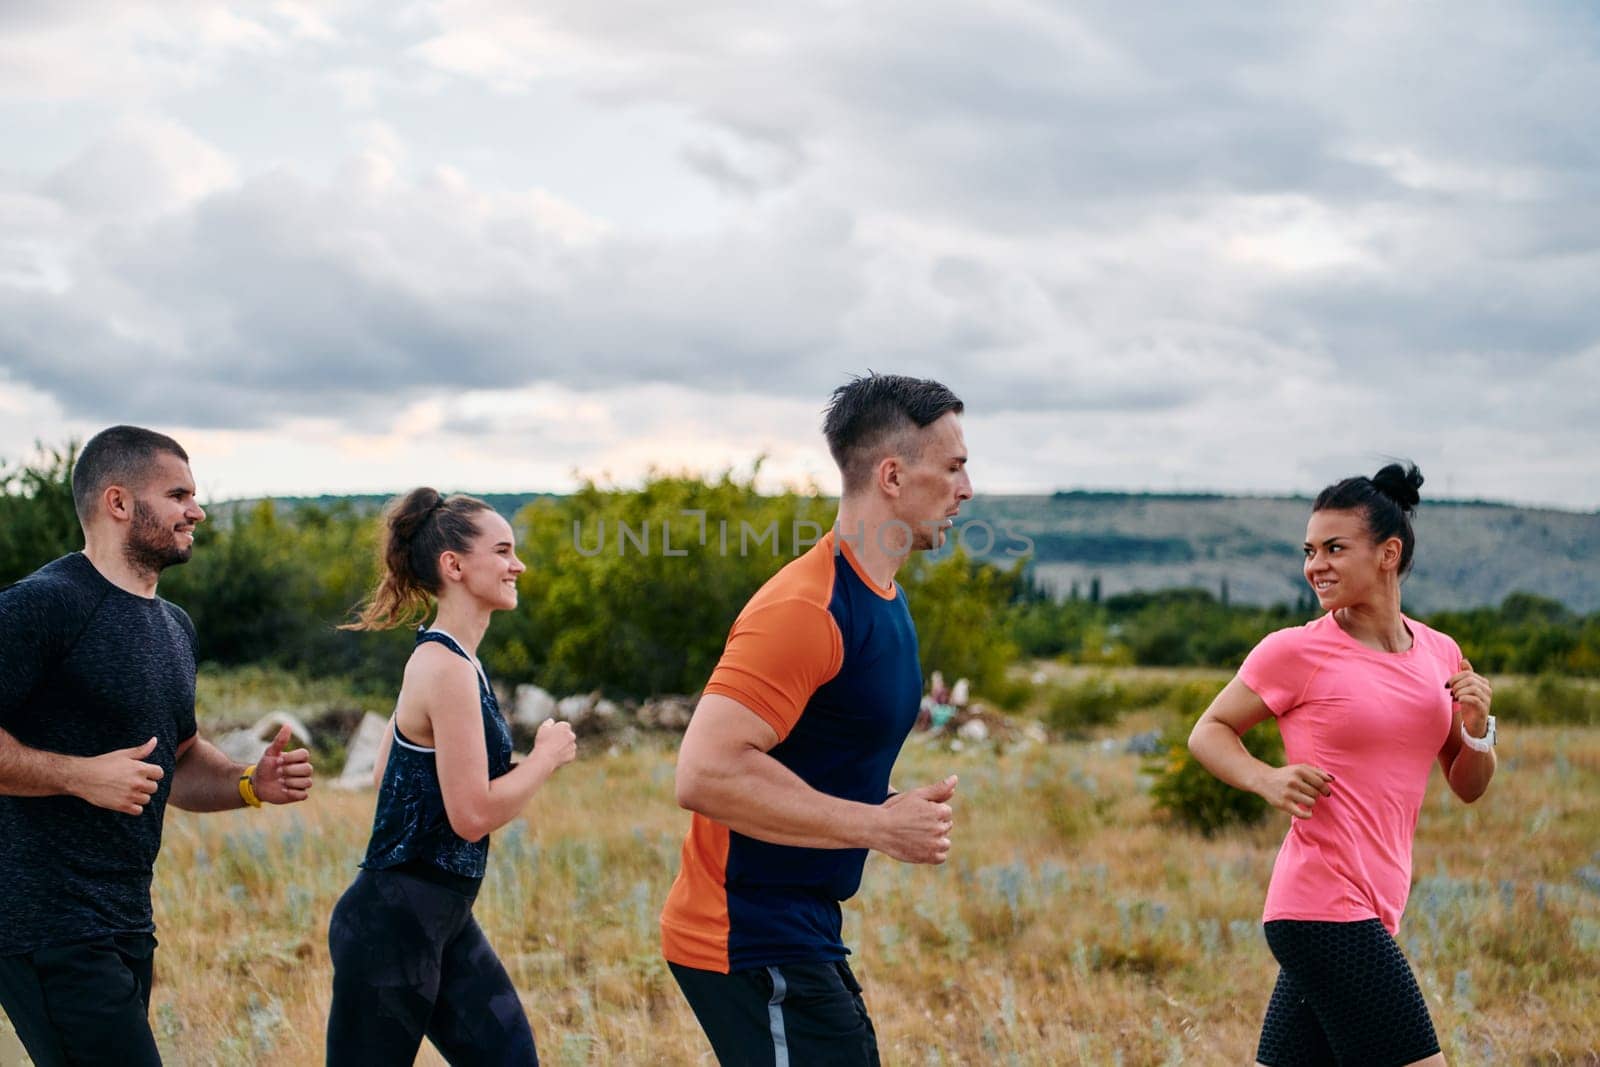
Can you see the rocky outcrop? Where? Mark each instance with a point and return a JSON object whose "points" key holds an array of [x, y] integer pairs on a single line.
{"points": [[246, 746], [361, 754]]}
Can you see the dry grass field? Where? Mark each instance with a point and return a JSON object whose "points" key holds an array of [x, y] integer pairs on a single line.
{"points": [[1072, 925]]}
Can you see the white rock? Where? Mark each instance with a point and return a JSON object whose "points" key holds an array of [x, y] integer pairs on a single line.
{"points": [[246, 746], [575, 709], [361, 755], [241, 746], [532, 706], [678, 716], [974, 730], [667, 713]]}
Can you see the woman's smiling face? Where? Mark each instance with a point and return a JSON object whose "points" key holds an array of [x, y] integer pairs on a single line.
{"points": [[1343, 565]]}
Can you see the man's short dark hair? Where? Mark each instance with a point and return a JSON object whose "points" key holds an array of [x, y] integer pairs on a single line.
{"points": [[872, 416], [120, 455]]}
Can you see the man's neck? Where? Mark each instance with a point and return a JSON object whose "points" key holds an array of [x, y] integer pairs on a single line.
{"points": [[872, 535], [111, 560]]}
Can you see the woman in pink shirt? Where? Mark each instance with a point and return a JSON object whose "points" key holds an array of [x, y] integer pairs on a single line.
{"points": [[1366, 699]]}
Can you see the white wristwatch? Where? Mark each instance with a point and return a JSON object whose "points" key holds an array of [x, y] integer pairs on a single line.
{"points": [[1479, 744]]}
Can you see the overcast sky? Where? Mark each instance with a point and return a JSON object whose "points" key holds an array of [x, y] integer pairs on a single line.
{"points": [[496, 245]]}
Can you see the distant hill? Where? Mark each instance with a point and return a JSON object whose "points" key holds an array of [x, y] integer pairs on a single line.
{"points": [[504, 503], [1469, 553]]}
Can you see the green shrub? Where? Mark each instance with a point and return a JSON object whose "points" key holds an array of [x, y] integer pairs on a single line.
{"points": [[959, 605], [1007, 692], [602, 608], [1100, 700], [1549, 699], [1198, 799], [1188, 699]]}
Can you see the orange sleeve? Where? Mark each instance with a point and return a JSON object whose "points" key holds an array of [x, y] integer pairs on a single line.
{"points": [[777, 655]]}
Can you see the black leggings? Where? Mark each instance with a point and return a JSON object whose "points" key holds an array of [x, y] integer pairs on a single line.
{"points": [[1345, 995], [410, 961]]}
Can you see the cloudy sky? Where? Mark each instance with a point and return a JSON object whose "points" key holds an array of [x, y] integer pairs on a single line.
{"points": [[499, 244]]}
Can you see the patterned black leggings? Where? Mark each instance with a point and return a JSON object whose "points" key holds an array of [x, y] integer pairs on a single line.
{"points": [[1345, 995], [410, 961]]}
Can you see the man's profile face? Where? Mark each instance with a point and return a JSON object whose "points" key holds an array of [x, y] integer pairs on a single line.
{"points": [[165, 513], [936, 483]]}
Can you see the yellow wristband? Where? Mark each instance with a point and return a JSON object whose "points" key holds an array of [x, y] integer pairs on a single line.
{"points": [[247, 787]]}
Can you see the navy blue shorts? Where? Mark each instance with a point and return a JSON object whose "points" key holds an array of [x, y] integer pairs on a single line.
{"points": [[1345, 995], [793, 1015]]}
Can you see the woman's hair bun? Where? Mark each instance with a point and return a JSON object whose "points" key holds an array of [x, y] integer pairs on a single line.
{"points": [[407, 516], [1401, 483]]}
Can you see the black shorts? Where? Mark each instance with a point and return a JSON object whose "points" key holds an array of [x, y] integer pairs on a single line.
{"points": [[1345, 995], [793, 1015], [83, 1003]]}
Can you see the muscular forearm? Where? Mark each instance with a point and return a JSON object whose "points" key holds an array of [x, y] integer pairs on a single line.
{"points": [[206, 779], [1220, 751], [757, 796], [31, 772]]}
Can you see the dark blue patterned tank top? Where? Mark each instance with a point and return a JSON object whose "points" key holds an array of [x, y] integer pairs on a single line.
{"points": [[410, 825]]}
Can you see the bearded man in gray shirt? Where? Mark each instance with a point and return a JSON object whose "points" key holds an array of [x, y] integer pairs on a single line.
{"points": [[97, 734]]}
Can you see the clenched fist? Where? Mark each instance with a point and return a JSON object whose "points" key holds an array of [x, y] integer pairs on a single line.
{"points": [[555, 743], [1296, 788], [120, 780], [916, 824]]}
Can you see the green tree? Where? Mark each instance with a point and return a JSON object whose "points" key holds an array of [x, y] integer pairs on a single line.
{"points": [[37, 520], [960, 605], [611, 602], [269, 585]]}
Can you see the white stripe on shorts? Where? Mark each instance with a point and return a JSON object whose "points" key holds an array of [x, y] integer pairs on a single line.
{"points": [[780, 1040]]}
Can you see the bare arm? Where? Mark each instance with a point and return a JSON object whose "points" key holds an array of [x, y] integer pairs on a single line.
{"points": [[207, 780], [1467, 770], [1214, 741], [476, 805], [120, 780], [31, 772], [725, 773]]}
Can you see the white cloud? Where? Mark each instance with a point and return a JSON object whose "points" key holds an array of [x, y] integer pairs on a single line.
{"points": [[510, 46], [305, 21], [145, 166], [124, 51], [1181, 251]]}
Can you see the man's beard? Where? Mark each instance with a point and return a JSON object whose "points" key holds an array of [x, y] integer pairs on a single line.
{"points": [[153, 547]]}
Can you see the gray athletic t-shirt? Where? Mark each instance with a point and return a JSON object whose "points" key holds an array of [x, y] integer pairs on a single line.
{"points": [[85, 668]]}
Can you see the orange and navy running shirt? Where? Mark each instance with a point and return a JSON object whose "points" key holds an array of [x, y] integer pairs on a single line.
{"points": [[829, 660]]}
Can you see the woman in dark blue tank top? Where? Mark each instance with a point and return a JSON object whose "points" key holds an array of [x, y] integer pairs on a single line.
{"points": [[409, 960]]}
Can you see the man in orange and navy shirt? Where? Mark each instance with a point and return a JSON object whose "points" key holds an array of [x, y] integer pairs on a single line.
{"points": [[786, 761]]}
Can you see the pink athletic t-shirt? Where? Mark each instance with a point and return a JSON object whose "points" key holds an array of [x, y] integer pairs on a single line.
{"points": [[1375, 721]]}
